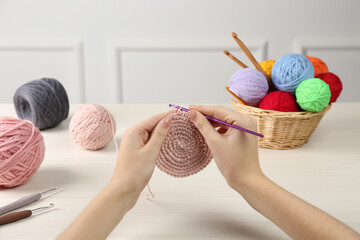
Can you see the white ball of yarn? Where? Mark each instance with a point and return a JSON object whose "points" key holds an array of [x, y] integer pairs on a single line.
{"points": [[92, 126]]}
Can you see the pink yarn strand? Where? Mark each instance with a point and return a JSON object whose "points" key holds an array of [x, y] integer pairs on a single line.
{"points": [[113, 134], [152, 195]]}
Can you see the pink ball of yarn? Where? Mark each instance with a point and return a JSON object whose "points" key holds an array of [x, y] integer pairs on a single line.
{"points": [[92, 126], [22, 151], [184, 151]]}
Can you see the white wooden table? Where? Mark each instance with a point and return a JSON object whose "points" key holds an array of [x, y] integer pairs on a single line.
{"points": [[325, 172]]}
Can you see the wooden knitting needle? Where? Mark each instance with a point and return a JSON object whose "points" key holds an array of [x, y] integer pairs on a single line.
{"points": [[235, 59], [234, 95], [252, 59]]}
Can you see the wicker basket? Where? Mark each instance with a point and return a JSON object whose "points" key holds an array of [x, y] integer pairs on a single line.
{"points": [[282, 130]]}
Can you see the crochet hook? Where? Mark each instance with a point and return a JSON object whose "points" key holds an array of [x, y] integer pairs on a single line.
{"points": [[219, 121], [16, 216], [235, 59], [249, 54], [25, 201], [234, 95], [252, 59]]}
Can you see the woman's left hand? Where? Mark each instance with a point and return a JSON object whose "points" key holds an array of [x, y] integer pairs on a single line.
{"points": [[139, 149]]}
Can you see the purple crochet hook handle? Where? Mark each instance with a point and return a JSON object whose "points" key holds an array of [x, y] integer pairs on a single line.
{"points": [[20, 203], [219, 121]]}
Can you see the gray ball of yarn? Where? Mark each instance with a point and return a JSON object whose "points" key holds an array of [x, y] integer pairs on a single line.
{"points": [[44, 102]]}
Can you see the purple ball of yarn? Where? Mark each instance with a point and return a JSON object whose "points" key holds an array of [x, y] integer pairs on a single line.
{"points": [[250, 85], [290, 70]]}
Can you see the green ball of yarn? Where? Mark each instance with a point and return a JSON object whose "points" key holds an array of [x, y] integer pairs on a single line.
{"points": [[313, 95]]}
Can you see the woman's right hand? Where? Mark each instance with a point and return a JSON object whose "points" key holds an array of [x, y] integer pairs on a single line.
{"points": [[236, 155], [235, 152]]}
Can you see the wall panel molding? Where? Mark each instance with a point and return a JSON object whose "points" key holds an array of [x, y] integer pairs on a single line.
{"points": [[75, 48], [341, 57], [302, 46], [117, 47]]}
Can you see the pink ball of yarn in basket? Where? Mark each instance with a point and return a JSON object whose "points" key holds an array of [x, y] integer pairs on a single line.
{"points": [[92, 126], [22, 151], [184, 151]]}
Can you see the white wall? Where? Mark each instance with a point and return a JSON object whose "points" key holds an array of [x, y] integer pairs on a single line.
{"points": [[162, 51]]}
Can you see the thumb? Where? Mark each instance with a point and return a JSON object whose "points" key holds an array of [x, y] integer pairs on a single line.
{"points": [[159, 134], [203, 125]]}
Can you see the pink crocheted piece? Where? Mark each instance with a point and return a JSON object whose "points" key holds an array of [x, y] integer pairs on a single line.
{"points": [[184, 151]]}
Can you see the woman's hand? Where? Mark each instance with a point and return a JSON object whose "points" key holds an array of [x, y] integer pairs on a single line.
{"points": [[136, 161], [235, 152], [236, 155], [139, 148]]}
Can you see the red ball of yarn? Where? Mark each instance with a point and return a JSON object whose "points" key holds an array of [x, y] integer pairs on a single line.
{"points": [[279, 101], [334, 83], [319, 65]]}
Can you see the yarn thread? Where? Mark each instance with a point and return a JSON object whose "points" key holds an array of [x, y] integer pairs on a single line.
{"points": [[279, 101], [44, 102], [250, 85], [313, 95], [184, 151], [22, 151], [92, 126], [319, 65], [267, 66], [290, 70], [334, 83]]}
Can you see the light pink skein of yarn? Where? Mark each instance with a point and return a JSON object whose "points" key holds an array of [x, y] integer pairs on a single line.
{"points": [[22, 151], [92, 126]]}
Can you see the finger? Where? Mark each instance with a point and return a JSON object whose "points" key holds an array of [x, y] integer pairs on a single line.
{"points": [[218, 112], [149, 124], [225, 114], [138, 135], [204, 126], [158, 135]]}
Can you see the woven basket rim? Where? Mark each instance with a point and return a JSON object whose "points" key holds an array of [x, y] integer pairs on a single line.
{"points": [[278, 113]]}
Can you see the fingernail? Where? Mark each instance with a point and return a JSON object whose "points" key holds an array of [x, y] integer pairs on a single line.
{"points": [[166, 122], [192, 115]]}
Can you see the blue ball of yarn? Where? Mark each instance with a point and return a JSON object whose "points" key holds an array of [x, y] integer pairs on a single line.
{"points": [[289, 71], [44, 102]]}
